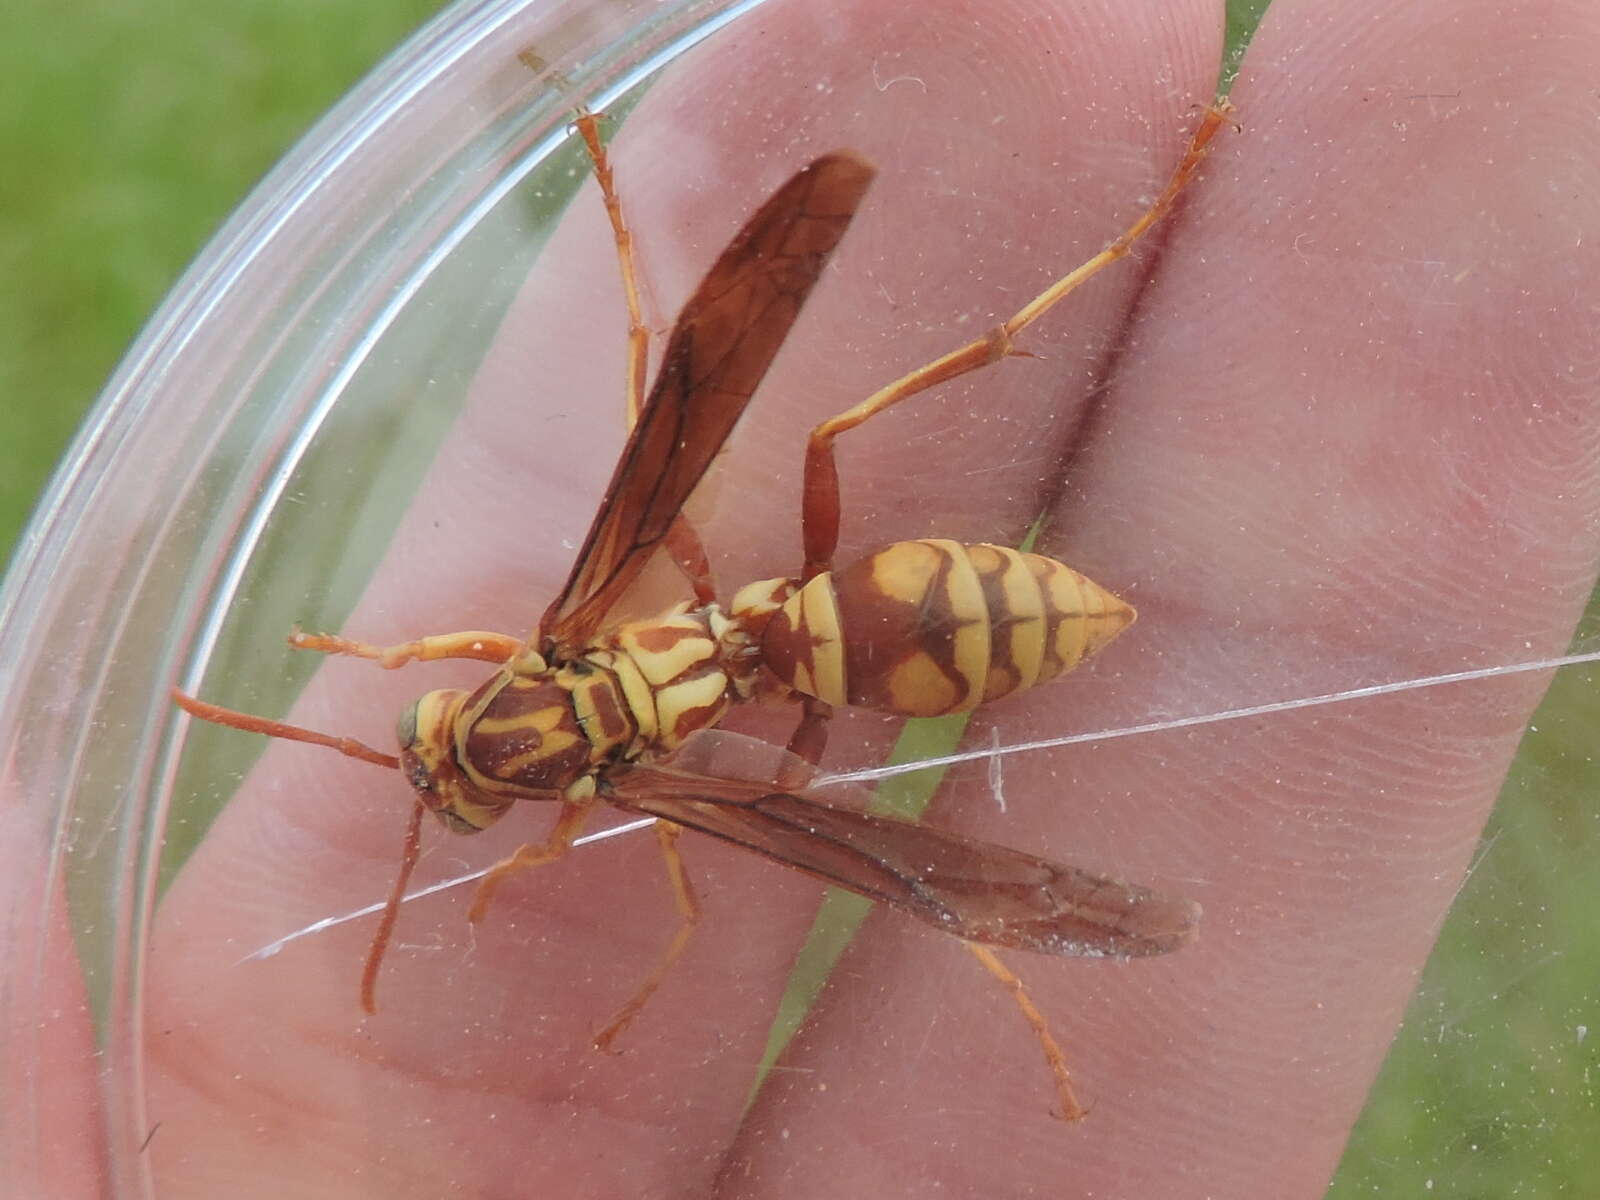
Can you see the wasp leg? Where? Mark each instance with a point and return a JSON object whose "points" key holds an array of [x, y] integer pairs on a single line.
{"points": [[471, 643], [683, 544], [689, 553], [588, 126], [820, 490], [534, 854], [688, 908], [810, 737], [1071, 1110]]}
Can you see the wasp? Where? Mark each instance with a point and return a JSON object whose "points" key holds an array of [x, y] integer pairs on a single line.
{"points": [[583, 712]]}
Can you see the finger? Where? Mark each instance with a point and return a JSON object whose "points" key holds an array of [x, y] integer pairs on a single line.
{"points": [[310, 837], [1349, 449]]}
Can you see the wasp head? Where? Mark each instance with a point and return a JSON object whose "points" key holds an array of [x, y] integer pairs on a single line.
{"points": [[428, 758]]}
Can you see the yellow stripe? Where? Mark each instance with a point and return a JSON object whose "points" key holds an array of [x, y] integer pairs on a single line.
{"points": [[1064, 591], [969, 641], [819, 619], [661, 667], [672, 702], [920, 687], [1025, 608], [636, 691]]}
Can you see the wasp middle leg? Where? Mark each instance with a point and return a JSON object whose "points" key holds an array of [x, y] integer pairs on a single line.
{"points": [[588, 126], [689, 912], [682, 543]]}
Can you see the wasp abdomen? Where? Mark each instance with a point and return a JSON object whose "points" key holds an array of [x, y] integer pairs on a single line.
{"points": [[931, 627]]}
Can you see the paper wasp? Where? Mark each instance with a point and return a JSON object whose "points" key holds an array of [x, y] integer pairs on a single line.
{"points": [[582, 712]]}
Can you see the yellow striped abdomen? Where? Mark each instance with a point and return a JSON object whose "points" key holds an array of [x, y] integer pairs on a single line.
{"points": [[931, 627]]}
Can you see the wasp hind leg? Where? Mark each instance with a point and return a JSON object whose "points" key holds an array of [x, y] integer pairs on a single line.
{"points": [[820, 489], [1071, 1109]]}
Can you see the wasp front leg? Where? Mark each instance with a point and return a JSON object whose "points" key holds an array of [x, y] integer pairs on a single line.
{"points": [[471, 643], [534, 854], [820, 489]]}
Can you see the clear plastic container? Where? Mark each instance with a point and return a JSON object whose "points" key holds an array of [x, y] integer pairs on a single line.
{"points": [[386, 400]]}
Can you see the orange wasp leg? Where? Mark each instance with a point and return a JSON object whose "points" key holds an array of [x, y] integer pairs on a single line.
{"points": [[820, 491], [534, 854], [686, 549], [1071, 1110], [470, 643], [683, 544], [688, 908], [810, 737], [588, 126]]}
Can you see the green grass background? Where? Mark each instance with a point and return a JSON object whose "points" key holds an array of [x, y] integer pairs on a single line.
{"points": [[132, 130]]}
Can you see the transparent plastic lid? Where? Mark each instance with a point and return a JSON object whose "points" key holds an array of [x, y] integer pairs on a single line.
{"points": [[1329, 428]]}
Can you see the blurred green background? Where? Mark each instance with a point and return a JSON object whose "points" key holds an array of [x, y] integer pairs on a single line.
{"points": [[130, 131], [134, 129]]}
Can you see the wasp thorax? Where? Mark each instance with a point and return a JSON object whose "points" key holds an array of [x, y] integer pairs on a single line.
{"points": [[754, 604], [932, 627], [520, 731]]}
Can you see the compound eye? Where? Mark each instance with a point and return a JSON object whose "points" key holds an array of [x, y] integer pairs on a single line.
{"points": [[405, 729]]}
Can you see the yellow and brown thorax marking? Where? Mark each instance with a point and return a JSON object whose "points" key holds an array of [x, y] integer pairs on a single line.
{"points": [[642, 689]]}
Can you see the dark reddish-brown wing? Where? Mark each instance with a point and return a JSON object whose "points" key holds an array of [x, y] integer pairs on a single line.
{"points": [[975, 890], [725, 338]]}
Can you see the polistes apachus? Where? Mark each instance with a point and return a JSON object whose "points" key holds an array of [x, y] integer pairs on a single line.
{"points": [[579, 713]]}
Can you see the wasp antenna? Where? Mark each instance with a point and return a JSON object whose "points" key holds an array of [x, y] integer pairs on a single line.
{"points": [[234, 719], [391, 910]]}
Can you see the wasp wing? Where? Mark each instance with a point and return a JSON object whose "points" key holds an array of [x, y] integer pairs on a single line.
{"points": [[724, 341], [973, 889]]}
